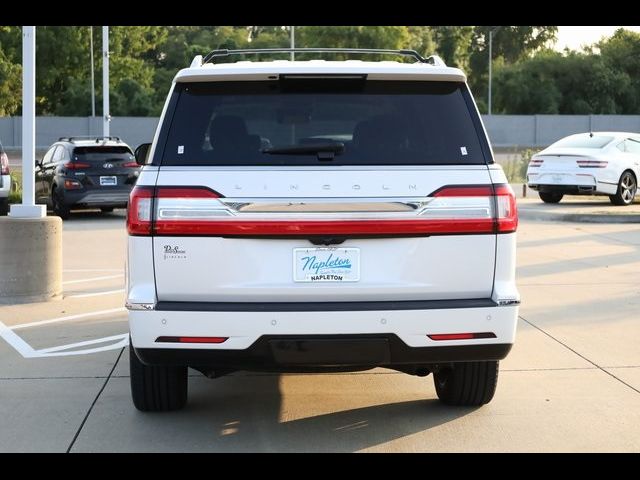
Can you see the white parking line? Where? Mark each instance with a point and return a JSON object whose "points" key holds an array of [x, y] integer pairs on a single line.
{"points": [[83, 344], [27, 351], [67, 318], [93, 279], [95, 294], [13, 339]]}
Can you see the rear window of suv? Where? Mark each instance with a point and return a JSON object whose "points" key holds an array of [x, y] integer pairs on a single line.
{"points": [[101, 154], [286, 121]]}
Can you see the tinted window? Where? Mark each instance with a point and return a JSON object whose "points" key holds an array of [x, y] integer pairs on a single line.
{"points": [[57, 156], [48, 155], [101, 154], [632, 146], [377, 122], [583, 141]]}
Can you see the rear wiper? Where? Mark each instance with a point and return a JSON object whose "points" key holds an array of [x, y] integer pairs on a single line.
{"points": [[324, 151]]}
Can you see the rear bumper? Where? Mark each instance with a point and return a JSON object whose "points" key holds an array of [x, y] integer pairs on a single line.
{"points": [[98, 197], [318, 353], [564, 189], [280, 340]]}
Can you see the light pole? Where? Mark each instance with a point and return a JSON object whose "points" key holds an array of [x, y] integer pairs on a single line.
{"points": [[93, 82], [28, 207], [293, 42], [106, 118]]}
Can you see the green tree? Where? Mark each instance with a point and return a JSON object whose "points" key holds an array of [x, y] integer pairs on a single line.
{"points": [[510, 44], [453, 45], [10, 83], [353, 36]]}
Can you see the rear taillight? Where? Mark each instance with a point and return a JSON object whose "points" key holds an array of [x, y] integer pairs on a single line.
{"points": [[139, 210], [131, 165], [76, 165], [452, 210], [506, 209], [592, 163], [535, 162], [4, 164]]}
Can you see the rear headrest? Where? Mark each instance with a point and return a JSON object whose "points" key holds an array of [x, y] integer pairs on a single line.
{"points": [[227, 129]]}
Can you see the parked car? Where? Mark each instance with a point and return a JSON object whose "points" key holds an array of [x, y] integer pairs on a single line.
{"points": [[320, 216], [81, 172], [5, 182], [594, 163]]}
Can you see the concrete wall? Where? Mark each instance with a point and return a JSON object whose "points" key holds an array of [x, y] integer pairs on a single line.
{"points": [[542, 130], [504, 130], [132, 130]]}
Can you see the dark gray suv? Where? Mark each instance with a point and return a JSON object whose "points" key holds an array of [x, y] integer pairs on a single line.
{"points": [[80, 172]]}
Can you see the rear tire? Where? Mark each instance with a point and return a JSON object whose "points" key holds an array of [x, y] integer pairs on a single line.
{"points": [[106, 209], [4, 206], [627, 187], [551, 197], [467, 383], [59, 208], [157, 388]]}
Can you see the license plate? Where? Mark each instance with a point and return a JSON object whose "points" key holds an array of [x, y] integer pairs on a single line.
{"points": [[326, 264], [108, 181]]}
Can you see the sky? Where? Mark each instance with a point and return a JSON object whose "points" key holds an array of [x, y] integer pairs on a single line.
{"points": [[575, 37]]}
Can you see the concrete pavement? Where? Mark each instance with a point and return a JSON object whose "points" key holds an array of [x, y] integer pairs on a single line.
{"points": [[571, 383]]}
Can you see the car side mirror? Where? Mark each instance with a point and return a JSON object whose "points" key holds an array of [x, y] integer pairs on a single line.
{"points": [[38, 163], [141, 153]]}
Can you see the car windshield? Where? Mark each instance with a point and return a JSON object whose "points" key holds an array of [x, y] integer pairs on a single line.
{"points": [[306, 121], [101, 154], [583, 141]]}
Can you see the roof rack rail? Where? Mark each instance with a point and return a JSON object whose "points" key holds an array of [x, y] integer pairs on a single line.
{"points": [[89, 137], [433, 60]]}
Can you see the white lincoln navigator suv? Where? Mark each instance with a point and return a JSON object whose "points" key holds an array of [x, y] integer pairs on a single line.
{"points": [[320, 216]]}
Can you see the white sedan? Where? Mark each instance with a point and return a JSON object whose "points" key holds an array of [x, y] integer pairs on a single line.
{"points": [[595, 163]]}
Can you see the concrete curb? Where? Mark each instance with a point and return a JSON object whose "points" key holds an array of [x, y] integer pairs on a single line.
{"points": [[529, 214]]}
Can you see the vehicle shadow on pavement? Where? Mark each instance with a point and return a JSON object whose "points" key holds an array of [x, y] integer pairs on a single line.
{"points": [[250, 416]]}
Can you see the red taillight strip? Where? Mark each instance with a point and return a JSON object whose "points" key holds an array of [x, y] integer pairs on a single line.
{"points": [[192, 339], [592, 163], [139, 222], [535, 163], [461, 336], [76, 165], [327, 227]]}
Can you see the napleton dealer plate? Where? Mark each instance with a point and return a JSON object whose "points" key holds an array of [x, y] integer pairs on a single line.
{"points": [[326, 264]]}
